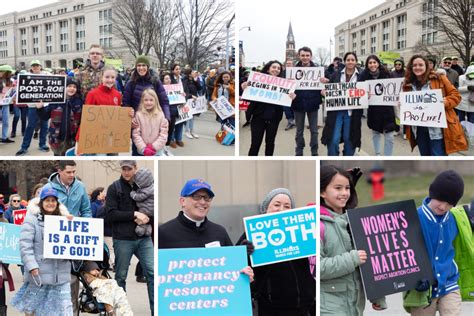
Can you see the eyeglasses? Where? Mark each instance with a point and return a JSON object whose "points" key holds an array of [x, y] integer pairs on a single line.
{"points": [[15, 201], [447, 62], [198, 197], [95, 53]]}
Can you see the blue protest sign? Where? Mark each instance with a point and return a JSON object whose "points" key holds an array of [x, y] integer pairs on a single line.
{"points": [[282, 236], [203, 281], [10, 243]]}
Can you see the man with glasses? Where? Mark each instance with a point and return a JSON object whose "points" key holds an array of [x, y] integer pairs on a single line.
{"points": [[122, 212], [452, 74], [15, 204], [90, 76], [191, 228]]}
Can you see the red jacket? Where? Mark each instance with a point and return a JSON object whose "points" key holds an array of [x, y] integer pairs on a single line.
{"points": [[104, 96]]}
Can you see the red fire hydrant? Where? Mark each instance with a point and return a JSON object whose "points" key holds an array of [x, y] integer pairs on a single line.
{"points": [[376, 178]]}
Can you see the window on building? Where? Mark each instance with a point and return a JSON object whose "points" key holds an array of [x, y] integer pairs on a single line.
{"points": [[105, 28], [80, 34], [63, 36]]}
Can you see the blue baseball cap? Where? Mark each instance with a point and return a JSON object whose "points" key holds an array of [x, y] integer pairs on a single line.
{"points": [[194, 185], [48, 191]]}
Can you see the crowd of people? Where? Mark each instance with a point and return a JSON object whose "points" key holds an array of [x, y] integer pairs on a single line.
{"points": [[345, 126], [52, 286], [154, 131]]}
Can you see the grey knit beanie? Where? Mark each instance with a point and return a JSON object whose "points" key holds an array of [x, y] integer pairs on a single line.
{"points": [[269, 197]]}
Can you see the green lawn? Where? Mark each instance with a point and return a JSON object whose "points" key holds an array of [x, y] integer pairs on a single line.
{"points": [[407, 188]]}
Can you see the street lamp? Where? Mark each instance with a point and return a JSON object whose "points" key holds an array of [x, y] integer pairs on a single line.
{"points": [[227, 43], [245, 27]]}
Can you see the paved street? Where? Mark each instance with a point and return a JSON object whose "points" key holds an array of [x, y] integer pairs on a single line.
{"points": [[205, 126], [285, 141], [136, 292]]}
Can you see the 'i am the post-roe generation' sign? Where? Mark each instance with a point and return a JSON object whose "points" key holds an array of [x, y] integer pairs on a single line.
{"points": [[203, 281], [269, 89], [282, 236], [77, 239], [396, 254]]}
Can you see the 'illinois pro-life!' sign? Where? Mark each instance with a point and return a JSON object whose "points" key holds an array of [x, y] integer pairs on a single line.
{"points": [[78, 239], [32, 89], [396, 254], [222, 107], [385, 91], [423, 108], [269, 89], [346, 96], [203, 281], [282, 236], [10, 243], [175, 93], [307, 78]]}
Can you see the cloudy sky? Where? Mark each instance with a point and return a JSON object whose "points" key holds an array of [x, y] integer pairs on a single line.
{"points": [[20, 5], [313, 23]]}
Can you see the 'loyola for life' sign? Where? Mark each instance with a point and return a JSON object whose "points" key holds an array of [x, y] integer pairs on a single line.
{"points": [[282, 236], [392, 237], [203, 281]]}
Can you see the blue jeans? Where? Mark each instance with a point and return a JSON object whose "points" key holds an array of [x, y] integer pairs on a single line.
{"points": [[388, 143], [30, 128], [178, 132], [143, 249], [341, 126], [427, 146], [290, 116], [190, 125], [5, 122]]}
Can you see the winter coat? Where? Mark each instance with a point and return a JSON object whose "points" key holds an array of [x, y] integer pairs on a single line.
{"points": [[75, 199], [191, 87], [465, 105], [65, 120], [95, 206], [89, 78], [458, 69], [151, 130], [51, 271], [453, 136], [306, 100], [134, 90], [8, 215], [398, 74], [355, 125], [144, 195], [342, 292], [231, 89], [103, 95], [379, 118]]}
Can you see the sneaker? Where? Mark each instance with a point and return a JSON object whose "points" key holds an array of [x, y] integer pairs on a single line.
{"points": [[167, 152], [188, 135], [7, 141], [44, 148], [289, 126], [173, 145], [195, 135], [21, 152], [246, 124], [180, 143], [35, 135]]}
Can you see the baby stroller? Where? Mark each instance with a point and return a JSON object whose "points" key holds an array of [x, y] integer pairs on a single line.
{"points": [[87, 303]]}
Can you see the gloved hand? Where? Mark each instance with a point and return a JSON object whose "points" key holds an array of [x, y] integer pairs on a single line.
{"points": [[423, 285], [149, 151], [356, 173], [250, 246]]}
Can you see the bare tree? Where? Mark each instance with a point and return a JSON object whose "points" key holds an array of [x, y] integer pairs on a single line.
{"points": [[166, 17], [134, 22], [202, 26], [432, 50], [321, 56]]}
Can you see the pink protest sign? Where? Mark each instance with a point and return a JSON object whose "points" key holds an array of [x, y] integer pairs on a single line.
{"points": [[269, 89]]}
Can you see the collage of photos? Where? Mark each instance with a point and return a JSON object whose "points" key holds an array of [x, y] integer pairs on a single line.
{"points": [[151, 158]]}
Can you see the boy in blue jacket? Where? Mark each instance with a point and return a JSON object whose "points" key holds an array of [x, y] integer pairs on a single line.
{"points": [[439, 231]]}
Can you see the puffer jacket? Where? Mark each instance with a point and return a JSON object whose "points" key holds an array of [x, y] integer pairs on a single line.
{"points": [[51, 271], [151, 130], [306, 100], [453, 136], [342, 292], [75, 199]]}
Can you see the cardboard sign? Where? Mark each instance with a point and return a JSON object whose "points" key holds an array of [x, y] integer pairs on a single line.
{"points": [[198, 105], [307, 78], [175, 93], [223, 107], [385, 91], [19, 216], [282, 236], [423, 108], [346, 96], [269, 89], [184, 113], [32, 89], [10, 243], [105, 129], [392, 237], [79, 239], [203, 281]]}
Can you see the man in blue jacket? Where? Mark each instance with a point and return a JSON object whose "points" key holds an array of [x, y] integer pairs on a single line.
{"points": [[306, 103]]}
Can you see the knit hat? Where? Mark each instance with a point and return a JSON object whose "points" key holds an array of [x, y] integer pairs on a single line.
{"points": [[71, 80], [142, 59], [271, 195], [448, 186]]}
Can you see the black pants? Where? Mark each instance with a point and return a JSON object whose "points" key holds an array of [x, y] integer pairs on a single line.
{"points": [[174, 116], [263, 311], [259, 127]]}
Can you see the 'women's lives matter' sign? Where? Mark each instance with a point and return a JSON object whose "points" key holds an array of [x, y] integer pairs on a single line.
{"points": [[396, 254]]}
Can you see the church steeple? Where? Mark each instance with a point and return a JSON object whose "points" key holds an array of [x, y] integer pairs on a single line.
{"points": [[290, 45], [290, 37]]}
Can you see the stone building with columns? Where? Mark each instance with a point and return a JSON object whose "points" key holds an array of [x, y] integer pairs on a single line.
{"points": [[60, 34]]}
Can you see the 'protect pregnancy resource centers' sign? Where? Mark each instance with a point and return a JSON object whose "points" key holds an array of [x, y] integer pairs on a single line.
{"points": [[269, 89], [392, 237], [203, 281], [77, 239], [282, 236], [423, 108]]}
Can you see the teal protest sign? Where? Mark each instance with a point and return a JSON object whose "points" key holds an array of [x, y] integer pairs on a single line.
{"points": [[10, 243], [282, 236], [203, 281]]}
